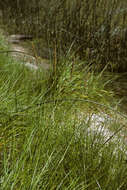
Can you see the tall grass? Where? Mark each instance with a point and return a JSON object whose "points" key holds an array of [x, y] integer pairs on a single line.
{"points": [[46, 143], [95, 29]]}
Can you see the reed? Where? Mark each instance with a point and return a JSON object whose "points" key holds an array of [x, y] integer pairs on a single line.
{"points": [[94, 26]]}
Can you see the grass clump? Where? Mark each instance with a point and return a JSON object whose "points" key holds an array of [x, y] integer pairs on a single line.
{"points": [[44, 143], [72, 81]]}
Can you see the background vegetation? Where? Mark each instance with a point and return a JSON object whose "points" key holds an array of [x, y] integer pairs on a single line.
{"points": [[94, 30]]}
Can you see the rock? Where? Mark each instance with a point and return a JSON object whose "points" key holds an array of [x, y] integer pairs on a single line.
{"points": [[13, 41], [23, 54], [16, 38]]}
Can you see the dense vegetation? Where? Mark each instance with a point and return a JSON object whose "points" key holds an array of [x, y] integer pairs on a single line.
{"points": [[46, 139], [94, 30], [61, 129]]}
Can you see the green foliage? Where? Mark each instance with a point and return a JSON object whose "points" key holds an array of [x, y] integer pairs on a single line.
{"points": [[47, 144], [73, 80], [95, 29]]}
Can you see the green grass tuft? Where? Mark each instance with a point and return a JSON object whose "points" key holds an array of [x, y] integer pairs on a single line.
{"points": [[46, 143]]}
